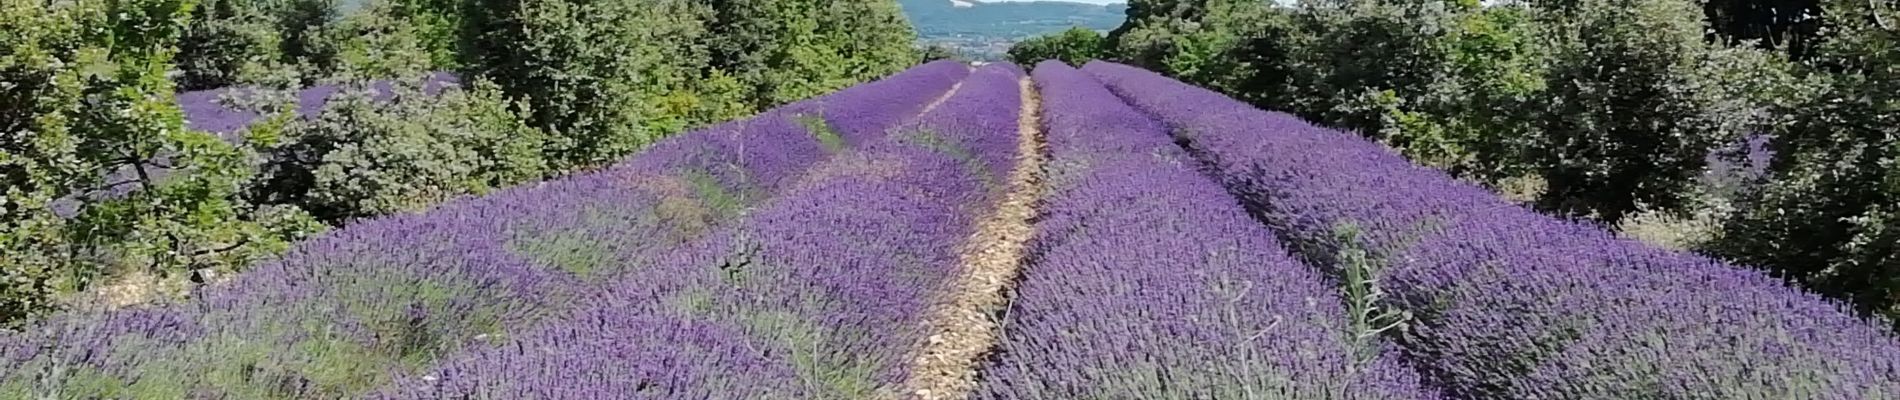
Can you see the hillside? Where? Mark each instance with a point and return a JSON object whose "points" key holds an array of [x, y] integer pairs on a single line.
{"points": [[986, 29], [1007, 20]]}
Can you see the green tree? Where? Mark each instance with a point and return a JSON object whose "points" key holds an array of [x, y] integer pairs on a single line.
{"points": [[790, 50], [1830, 216], [934, 52], [363, 158], [1792, 25], [1613, 104], [1074, 46], [294, 43], [88, 100], [596, 75], [231, 42], [1635, 101]]}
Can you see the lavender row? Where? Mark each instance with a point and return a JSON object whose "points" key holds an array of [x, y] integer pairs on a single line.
{"points": [[817, 294], [340, 313], [1146, 280], [205, 110], [1508, 303]]}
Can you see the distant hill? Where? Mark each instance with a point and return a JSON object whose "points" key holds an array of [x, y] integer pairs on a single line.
{"points": [[1007, 21]]}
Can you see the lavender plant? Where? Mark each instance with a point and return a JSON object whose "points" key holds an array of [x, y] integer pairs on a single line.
{"points": [[819, 293], [342, 313], [1508, 303], [1146, 280]]}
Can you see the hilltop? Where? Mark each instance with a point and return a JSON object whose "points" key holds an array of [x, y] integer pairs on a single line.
{"points": [[986, 29]]}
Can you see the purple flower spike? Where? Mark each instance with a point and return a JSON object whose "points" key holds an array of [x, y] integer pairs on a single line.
{"points": [[1507, 303]]}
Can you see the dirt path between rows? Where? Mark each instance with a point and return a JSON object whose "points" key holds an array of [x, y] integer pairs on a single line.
{"points": [[940, 99], [961, 326]]}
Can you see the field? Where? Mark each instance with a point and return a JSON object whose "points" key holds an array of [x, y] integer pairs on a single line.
{"points": [[987, 233]]}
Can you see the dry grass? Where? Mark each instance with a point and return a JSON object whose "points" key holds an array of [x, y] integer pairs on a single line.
{"points": [[940, 99], [961, 323], [127, 290]]}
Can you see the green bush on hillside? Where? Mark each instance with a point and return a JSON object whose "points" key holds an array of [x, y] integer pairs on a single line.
{"points": [[362, 158], [88, 96], [1830, 215], [1074, 46]]}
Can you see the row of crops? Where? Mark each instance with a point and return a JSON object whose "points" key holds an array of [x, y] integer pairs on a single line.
{"points": [[1184, 245]]}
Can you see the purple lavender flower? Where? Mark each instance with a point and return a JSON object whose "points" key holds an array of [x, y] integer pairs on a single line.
{"points": [[828, 281], [342, 314], [1512, 304], [1146, 280]]}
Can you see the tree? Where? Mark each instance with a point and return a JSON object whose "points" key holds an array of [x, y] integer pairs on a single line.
{"points": [[99, 169], [1791, 25], [1613, 104], [790, 50], [601, 77], [294, 43], [1623, 124], [1074, 46], [1830, 215], [362, 158], [934, 52]]}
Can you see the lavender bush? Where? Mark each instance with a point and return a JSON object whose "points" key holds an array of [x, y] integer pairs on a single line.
{"points": [[1507, 303], [1146, 280], [341, 313], [817, 294]]}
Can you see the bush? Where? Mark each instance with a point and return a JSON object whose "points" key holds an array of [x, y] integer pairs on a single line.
{"points": [[361, 157], [371, 42], [1074, 46], [100, 172], [1635, 101], [1830, 215], [594, 74], [231, 42], [794, 49], [302, 42]]}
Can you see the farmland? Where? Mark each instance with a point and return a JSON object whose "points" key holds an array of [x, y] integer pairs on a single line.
{"points": [[949, 232]]}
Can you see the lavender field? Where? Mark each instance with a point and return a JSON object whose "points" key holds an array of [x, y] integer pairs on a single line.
{"points": [[994, 232]]}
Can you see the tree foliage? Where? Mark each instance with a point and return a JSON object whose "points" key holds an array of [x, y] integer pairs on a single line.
{"points": [[1074, 46], [1830, 214], [99, 169], [287, 43], [794, 49], [362, 158]]}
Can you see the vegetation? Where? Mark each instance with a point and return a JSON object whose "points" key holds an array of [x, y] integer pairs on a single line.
{"points": [[103, 176], [1632, 113], [99, 169], [1074, 46], [1829, 215]]}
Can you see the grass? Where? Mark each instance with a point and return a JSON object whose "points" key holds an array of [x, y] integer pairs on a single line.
{"points": [[822, 130]]}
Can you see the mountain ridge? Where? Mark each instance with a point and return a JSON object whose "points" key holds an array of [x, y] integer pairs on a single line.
{"points": [[1014, 20]]}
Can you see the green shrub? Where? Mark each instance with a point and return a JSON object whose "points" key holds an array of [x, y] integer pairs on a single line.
{"points": [[1074, 46], [1830, 215], [1613, 103], [591, 72], [294, 43], [370, 42], [362, 158], [231, 42], [787, 50], [87, 95]]}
